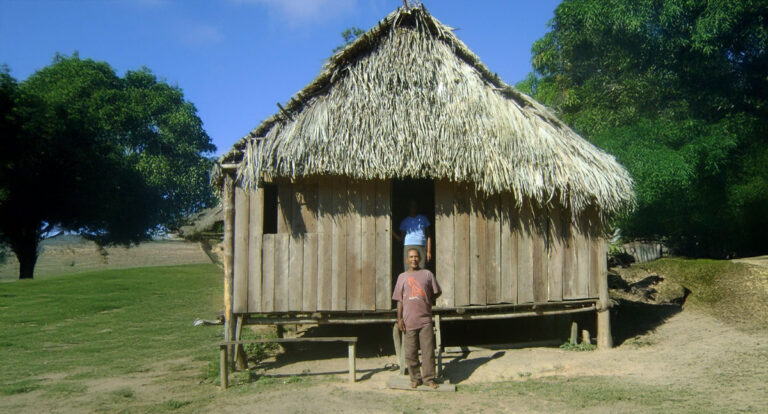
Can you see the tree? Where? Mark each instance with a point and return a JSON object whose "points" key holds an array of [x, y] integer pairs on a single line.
{"points": [[349, 35], [677, 91], [84, 150]]}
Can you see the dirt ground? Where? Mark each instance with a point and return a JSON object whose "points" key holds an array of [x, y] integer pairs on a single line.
{"points": [[690, 351]]}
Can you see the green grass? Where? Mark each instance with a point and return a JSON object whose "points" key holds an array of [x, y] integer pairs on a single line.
{"points": [[104, 323], [733, 292]]}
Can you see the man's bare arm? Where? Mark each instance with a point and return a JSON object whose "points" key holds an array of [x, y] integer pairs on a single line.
{"points": [[429, 244], [400, 322]]}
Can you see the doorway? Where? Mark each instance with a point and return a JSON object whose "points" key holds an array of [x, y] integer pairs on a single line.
{"points": [[403, 191]]}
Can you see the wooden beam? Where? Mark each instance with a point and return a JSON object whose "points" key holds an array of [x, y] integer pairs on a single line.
{"points": [[240, 263], [228, 201], [255, 240], [604, 337]]}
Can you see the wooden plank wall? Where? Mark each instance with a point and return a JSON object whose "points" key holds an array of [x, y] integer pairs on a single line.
{"points": [[492, 250], [333, 249]]}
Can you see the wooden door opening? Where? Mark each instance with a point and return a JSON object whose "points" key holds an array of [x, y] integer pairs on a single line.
{"points": [[403, 191]]}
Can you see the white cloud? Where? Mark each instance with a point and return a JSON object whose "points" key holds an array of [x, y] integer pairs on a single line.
{"points": [[304, 11], [200, 34]]}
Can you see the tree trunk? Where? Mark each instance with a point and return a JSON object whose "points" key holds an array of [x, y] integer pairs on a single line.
{"points": [[27, 256], [24, 243]]}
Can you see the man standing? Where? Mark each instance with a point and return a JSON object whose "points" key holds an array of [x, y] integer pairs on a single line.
{"points": [[414, 234], [415, 292]]}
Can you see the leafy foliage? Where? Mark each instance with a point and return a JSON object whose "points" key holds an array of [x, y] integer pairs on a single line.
{"points": [[349, 35], [677, 91], [85, 150]]}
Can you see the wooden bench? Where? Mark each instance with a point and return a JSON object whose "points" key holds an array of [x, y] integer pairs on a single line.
{"points": [[351, 342]]}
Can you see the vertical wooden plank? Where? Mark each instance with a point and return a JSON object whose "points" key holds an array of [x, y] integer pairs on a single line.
{"points": [[594, 271], [509, 236], [282, 268], [240, 282], [461, 247], [255, 232], [309, 273], [569, 262], [268, 273], [368, 245], [556, 254], [594, 242], [525, 255], [602, 262], [284, 207], [444, 253], [295, 270], [339, 258], [492, 249], [296, 249], [383, 245], [354, 242], [308, 206], [325, 242], [478, 252], [582, 263], [540, 275], [296, 221]]}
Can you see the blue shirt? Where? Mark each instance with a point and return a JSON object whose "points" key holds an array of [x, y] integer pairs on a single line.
{"points": [[414, 230]]}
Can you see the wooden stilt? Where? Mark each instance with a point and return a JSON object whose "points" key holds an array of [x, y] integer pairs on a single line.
{"points": [[574, 333], [604, 337], [351, 354], [279, 331], [228, 201], [241, 359], [585, 339], [223, 365]]}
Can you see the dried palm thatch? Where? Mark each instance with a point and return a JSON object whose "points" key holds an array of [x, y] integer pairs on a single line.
{"points": [[409, 99]]}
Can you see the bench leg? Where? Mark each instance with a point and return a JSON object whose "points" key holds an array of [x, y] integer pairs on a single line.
{"points": [[352, 362], [223, 366], [398, 340], [439, 346]]}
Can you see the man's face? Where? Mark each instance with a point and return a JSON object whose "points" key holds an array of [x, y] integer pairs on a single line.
{"points": [[413, 259], [413, 208]]}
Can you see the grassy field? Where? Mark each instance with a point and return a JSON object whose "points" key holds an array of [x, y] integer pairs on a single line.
{"points": [[735, 293], [101, 324], [123, 341]]}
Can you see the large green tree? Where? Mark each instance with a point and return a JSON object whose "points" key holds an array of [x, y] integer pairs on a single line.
{"points": [[85, 150], [676, 90]]}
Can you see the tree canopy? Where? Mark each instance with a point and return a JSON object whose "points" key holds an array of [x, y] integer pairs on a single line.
{"points": [[85, 150], [676, 90]]}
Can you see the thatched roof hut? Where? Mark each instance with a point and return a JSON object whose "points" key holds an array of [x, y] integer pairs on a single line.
{"points": [[517, 198], [410, 83]]}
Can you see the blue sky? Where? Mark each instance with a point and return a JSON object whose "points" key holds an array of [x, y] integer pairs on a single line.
{"points": [[235, 59]]}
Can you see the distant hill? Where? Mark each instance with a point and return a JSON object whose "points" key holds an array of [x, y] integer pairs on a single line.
{"points": [[66, 254]]}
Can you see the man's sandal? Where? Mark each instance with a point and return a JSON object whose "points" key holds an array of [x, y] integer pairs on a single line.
{"points": [[415, 384], [432, 384]]}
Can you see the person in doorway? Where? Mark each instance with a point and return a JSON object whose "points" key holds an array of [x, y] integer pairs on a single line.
{"points": [[415, 292], [414, 234]]}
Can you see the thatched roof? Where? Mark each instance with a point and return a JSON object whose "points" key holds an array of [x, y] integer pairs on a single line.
{"points": [[409, 99]]}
